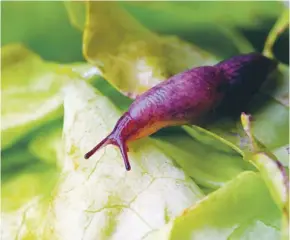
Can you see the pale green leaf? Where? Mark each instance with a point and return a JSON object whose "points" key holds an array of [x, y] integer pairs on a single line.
{"points": [[30, 93], [242, 209], [31, 90], [33, 181], [100, 192]]}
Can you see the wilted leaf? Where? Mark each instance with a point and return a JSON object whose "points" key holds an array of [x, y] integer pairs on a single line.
{"points": [[100, 192], [132, 58], [242, 209]]}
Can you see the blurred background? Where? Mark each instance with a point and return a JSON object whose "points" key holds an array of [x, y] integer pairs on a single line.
{"points": [[44, 27]]}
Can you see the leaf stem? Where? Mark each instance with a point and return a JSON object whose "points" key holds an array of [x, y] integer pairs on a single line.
{"points": [[279, 27]]}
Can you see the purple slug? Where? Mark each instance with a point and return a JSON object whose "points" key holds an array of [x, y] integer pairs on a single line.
{"points": [[188, 97]]}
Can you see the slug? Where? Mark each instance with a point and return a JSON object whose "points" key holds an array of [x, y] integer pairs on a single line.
{"points": [[188, 97]]}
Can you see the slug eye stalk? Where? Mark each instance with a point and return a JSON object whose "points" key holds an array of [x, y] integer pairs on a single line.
{"points": [[118, 138], [114, 140]]}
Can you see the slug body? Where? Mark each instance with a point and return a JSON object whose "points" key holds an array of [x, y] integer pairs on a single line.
{"points": [[187, 98]]}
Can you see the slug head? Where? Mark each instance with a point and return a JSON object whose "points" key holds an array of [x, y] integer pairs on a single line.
{"points": [[124, 128]]}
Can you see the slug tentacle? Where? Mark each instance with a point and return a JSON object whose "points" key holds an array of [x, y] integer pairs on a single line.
{"points": [[103, 143], [118, 137]]}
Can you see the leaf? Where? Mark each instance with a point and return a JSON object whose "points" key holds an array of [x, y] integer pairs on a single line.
{"points": [[164, 15], [13, 160], [31, 90], [218, 27], [100, 192], [120, 101], [242, 209], [272, 171], [270, 111], [271, 122], [132, 58], [24, 223], [44, 27], [30, 93], [279, 27], [82, 70], [282, 154], [32, 181], [278, 85], [204, 159], [47, 146], [77, 13]]}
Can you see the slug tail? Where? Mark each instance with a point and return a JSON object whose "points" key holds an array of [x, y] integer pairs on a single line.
{"points": [[244, 74], [250, 68]]}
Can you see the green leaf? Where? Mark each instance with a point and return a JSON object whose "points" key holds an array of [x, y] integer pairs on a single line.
{"points": [[217, 27], [278, 85], [208, 161], [272, 171], [30, 93], [32, 181], [271, 122], [13, 160], [279, 27], [132, 58], [31, 90], [242, 209], [164, 15], [77, 13], [100, 192], [47, 145], [44, 27]]}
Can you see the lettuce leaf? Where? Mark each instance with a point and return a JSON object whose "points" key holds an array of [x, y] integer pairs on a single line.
{"points": [[30, 93], [235, 211], [100, 192], [132, 58]]}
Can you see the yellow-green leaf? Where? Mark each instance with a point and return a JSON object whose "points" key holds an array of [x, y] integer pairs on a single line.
{"points": [[132, 58]]}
